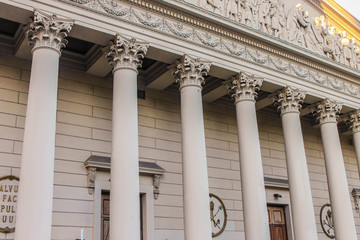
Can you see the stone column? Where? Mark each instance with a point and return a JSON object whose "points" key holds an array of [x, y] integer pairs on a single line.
{"points": [[302, 209], [335, 171], [34, 208], [243, 88], [190, 73], [355, 120], [125, 57]]}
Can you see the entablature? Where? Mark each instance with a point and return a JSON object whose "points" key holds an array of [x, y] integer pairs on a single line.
{"points": [[175, 27]]}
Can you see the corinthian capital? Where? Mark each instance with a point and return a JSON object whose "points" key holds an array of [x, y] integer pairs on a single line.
{"points": [[191, 71], [126, 53], [328, 110], [355, 120], [290, 100], [49, 31], [244, 87]]}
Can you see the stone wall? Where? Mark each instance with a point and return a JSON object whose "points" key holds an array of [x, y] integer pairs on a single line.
{"points": [[84, 129]]}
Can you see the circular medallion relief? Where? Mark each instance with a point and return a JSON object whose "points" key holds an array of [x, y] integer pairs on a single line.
{"points": [[326, 220], [217, 215]]}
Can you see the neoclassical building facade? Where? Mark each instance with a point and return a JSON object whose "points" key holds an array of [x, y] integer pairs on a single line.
{"points": [[179, 120]]}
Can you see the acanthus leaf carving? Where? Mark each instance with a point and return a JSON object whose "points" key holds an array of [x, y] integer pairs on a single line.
{"points": [[126, 53], [49, 31], [191, 71], [355, 121], [244, 86], [290, 100], [328, 111]]}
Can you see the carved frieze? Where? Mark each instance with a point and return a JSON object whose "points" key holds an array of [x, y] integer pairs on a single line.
{"points": [[295, 26], [170, 22]]}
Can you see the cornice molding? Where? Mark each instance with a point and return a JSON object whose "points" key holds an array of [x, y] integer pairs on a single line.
{"points": [[191, 29]]}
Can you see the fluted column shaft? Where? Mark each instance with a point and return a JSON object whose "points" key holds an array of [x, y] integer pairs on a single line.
{"points": [[34, 206], [125, 57], [355, 120], [335, 170], [243, 89], [302, 210], [190, 74]]}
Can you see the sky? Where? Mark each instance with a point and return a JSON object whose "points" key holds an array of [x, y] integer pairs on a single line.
{"points": [[352, 6]]}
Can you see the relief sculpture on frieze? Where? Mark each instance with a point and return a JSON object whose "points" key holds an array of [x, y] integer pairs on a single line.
{"points": [[318, 34], [295, 26]]}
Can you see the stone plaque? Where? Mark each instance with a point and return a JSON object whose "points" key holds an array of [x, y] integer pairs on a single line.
{"points": [[9, 186]]}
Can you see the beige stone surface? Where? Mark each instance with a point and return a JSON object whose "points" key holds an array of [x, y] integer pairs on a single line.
{"points": [[84, 128]]}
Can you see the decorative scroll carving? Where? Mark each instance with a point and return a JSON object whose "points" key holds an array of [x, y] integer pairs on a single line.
{"points": [[328, 111], [234, 49], [81, 1], [147, 19], [126, 53], [321, 79], [356, 195], [206, 39], [336, 84], [352, 89], [280, 65], [299, 71], [191, 71], [355, 120], [257, 57], [156, 184], [244, 86], [112, 7], [179, 30], [49, 31], [91, 179], [290, 100]]}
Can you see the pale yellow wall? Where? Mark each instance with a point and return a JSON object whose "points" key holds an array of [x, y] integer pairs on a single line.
{"points": [[84, 128]]}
